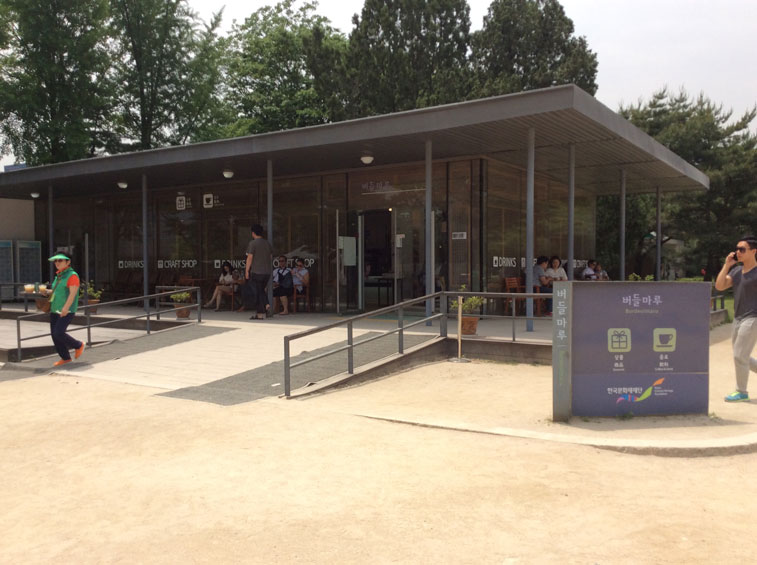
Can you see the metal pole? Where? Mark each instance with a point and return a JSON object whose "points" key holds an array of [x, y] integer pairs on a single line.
{"points": [[18, 340], [360, 262], [338, 308], [530, 228], [395, 254], [623, 225], [429, 237], [459, 327], [571, 211], [401, 333], [145, 265], [351, 350], [86, 287], [659, 235], [50, 227], [269, 174], [443, 320], [287, 369]]}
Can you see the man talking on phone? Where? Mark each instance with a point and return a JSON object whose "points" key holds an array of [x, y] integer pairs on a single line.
{"points": [[743, 279]]}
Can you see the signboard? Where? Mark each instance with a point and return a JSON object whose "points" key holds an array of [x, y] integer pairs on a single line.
{"points": [[630, 348]]}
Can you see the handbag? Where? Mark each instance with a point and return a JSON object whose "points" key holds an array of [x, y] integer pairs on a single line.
{"points": [[43, 304]]}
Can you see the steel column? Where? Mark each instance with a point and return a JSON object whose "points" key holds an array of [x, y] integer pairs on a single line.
{"points": [[623, 225], [269, 182], [530, 227], [50, 227], [659, 235], [145, 265], [571, 210], [429, 236]]}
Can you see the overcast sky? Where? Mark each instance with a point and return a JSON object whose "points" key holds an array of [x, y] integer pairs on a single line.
{"points": [[701, 45]]}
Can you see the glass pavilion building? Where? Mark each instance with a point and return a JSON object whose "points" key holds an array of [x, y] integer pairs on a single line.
{"points": [[381, 209]]}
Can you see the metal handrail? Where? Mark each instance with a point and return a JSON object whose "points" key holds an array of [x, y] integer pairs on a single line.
{"points": [[148, 313], [442, 316]]}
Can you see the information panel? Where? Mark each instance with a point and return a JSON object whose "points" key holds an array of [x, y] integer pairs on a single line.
{"points": [[630, 348]]}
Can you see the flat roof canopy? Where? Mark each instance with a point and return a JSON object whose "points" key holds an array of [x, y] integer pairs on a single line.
{"points": [[495, 127]]}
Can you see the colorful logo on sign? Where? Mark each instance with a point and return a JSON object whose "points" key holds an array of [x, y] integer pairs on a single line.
{"points": [[643, 396]]}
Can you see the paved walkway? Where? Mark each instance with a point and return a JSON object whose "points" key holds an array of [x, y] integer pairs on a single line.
{"points": [[229, 360]]}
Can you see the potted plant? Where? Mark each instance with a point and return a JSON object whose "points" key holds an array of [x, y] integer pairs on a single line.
{"points": [[93, 295], [471, 305], [181, 298]]}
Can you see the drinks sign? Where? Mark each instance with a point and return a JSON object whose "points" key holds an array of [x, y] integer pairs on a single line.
{"points": [[630, 348]]}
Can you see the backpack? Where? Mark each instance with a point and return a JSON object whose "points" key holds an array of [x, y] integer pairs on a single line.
{"points": [[285, 279]]}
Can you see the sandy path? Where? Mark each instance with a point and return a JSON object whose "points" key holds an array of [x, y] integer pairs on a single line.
{"points": [[99, 472]]}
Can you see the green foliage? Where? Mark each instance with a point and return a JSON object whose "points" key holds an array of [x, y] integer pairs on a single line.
{"points": [[270, 84], [406, 54], [54, 90], [92, 292], [471, 304], [709, 222], [528, 44], [167, 70], [180, 297]]}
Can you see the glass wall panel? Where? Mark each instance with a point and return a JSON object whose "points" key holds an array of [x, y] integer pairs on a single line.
{"points": [[297, 222], [324, 273], [228, 213], [505, 224], [460, 225], [177, 242], [402, 189]]}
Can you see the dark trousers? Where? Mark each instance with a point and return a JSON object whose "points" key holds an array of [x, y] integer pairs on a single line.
{"points": [[547, 290], [260, 281], [63, 342]]}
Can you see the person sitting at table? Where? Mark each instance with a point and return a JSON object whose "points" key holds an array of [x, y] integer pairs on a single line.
{"points": [[555, 272], [300, 275], [601, 273], [542, 280], [283, 285], [588, 273], [224, 287]]}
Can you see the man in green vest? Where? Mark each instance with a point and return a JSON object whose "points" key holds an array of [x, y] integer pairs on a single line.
{"points": [[64, 301]]}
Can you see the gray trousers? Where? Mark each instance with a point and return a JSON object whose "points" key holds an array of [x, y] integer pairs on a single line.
{"points": [[744, 339]]}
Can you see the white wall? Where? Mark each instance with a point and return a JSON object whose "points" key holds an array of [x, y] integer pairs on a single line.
{"points": [[16, 219]]}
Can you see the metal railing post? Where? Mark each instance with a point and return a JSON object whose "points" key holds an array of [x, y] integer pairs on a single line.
{"points": [[18, 338], [443, 311], [199, 304], [89, 329], [351, 350], [287, 369], [459, 327], [401, 332]]}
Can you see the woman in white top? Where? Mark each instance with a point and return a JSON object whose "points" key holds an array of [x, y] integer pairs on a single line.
{"points": [[554, 271], [224, 286]]}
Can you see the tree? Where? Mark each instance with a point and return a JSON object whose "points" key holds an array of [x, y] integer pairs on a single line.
{"points": [[406, 54], [167, 69], [704, 134], [528, 44], [270, 84], [54, 89]]}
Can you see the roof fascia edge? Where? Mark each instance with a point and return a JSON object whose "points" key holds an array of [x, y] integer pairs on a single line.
{"points": [[590, 107]]}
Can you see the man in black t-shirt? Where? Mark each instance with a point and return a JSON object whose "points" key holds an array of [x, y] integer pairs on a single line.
{"points": [[743, 279], [257, 269]]}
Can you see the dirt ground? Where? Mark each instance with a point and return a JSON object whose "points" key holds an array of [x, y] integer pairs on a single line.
{"points": [[100, 472]]}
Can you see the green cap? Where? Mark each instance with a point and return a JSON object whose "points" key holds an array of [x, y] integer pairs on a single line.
{"points": [[60, 256]]}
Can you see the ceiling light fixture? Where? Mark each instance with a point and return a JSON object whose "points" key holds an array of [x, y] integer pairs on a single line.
{"points": [[366, 158], [228, 173], [122, 184], [35, 195]]}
